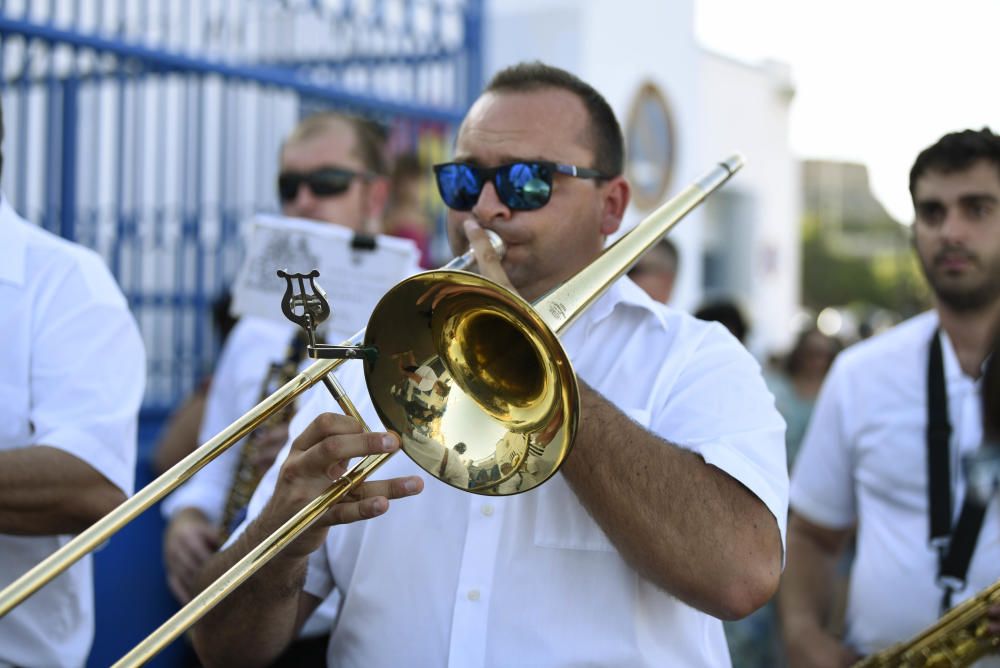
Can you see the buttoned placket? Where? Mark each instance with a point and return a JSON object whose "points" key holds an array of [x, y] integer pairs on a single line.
{"points": [[470, 618]]}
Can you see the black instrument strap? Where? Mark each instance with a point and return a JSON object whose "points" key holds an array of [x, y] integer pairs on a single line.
{"points": [[954, 548], [938, 437]]}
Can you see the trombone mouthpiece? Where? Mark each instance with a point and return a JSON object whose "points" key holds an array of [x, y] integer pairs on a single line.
{"points": [[733, 163], [496, 242]]}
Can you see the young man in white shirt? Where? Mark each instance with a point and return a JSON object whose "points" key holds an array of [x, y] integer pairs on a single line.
{"points": [[72, 375], [668, 512], [864, 461]]}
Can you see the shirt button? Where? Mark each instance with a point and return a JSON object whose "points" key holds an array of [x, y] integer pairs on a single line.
{"points": [[473, 594], [487, 509]]}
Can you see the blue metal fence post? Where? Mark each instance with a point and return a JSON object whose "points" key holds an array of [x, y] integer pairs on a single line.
{"points": [[70, 135]]}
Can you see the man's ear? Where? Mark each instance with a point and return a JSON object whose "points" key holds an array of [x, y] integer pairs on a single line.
{"points": [[616, 196], [377, 198]]}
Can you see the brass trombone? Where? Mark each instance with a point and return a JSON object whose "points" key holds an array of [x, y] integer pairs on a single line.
{"points": [[471, 376]]}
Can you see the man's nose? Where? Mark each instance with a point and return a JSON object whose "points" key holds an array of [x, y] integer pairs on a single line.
{"points": [[489, 207], [954, 226]]}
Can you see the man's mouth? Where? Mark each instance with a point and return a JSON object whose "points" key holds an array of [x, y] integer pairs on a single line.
{"points": [[954, 261]]}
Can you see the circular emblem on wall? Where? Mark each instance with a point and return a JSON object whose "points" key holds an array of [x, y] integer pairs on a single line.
{"points": [[649, 146]]}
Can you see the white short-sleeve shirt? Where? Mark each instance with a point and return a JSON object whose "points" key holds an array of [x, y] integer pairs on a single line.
{"points": [[864, 461], [250, 349], [72, 374], [460, 579]]}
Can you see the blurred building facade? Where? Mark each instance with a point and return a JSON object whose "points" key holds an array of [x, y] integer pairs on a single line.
{"points": [[860, 263], [743, 243]]}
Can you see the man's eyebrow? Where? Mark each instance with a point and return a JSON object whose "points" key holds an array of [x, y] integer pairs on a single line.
{"points": [[978, 198]]}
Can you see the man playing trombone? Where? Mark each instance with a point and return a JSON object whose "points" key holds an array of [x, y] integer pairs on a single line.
{"points": [[668, 513]]}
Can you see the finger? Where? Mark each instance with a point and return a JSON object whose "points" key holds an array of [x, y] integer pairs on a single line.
{"points": [[329, 457], [182, 559], [179, 591], [487, 258], [393, 488], [353, 511], [201, 550], [323, 426]]}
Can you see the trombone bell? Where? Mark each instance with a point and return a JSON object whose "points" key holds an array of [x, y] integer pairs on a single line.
{"points": [[479, 389]]}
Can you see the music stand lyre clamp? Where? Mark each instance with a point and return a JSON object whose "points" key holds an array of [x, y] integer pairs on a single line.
{"points": [[308, 308]]}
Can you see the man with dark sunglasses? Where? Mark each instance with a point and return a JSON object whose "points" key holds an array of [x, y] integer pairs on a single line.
{"points": [[668, 513], [332, 169]]}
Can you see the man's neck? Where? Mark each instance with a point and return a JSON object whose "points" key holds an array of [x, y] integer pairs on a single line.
{"points": [[970, 333]]}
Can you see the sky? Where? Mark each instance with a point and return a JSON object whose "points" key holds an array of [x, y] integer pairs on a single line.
{"points": [[876, 80]]}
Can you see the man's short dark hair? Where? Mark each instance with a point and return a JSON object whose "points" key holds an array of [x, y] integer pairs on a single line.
{"points": [[663, 257], [727, 313], [605, 134], [955, 152]]}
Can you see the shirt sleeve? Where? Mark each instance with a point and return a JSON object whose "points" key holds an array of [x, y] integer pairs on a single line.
{"points": [[822, 483], [207, 489], [720, 408], [88, 371]]}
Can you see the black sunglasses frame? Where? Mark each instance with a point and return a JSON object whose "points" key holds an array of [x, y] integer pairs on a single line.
{"points": [[512, 196], [322, 182]]}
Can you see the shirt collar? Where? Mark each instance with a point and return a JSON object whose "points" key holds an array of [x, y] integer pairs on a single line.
{"points": [[622, 292], [13, 245], [952, 369]]}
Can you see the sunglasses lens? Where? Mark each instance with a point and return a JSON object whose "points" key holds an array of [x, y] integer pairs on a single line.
{"points": [[525, 186], [328, 182], [322, 183], [459, 186], [288, 186]]}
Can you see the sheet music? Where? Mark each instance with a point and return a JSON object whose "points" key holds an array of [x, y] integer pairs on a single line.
{"points": [[354, 279]]}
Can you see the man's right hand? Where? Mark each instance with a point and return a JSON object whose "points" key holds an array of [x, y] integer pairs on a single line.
{"points": [[815, 648], [190, 540], [319, 456]]}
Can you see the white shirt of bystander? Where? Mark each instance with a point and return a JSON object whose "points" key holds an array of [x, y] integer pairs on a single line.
{"points": [[864, 461], [72, 374]]}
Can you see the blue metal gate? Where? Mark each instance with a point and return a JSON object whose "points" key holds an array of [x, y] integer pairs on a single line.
{"points": [[149, 130]]}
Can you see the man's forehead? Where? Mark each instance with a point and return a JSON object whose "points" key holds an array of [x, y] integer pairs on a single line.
{"points": [[335, 142], [545, 123], [980, 178]]}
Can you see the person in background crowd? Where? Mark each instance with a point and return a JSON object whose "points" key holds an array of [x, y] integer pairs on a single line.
{"points": [[755, 642], [72, 375], [332, 169], [796, 384], [894, 418], [666, 516], [656, 271], [406, 216], [727, 313]]}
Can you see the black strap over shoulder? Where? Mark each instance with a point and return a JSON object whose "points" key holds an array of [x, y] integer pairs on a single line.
{"points": [[954, 548], [938, 456]]}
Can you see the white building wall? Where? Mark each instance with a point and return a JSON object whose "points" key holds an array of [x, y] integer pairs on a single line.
{"points": [[718, 107], [745, 108]]}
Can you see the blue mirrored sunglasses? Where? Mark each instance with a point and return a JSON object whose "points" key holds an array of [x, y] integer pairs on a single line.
{"points": [[521, 186]]}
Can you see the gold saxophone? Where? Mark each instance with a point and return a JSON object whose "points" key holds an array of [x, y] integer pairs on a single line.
{"points": [[247, 475], [959, 638]]}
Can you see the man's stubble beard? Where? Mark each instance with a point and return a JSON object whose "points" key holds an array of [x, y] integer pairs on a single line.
{"points": [[966, 299]]}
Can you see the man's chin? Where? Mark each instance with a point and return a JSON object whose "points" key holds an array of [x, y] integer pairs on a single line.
{"points": [[964, 297]]}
